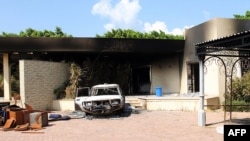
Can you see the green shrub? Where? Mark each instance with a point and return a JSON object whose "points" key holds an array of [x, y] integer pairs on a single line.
{"points": [[60, 92], [238, 106], [241, 88]]}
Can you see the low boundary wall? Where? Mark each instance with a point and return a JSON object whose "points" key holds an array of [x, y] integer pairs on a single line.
{"points": [[154, 103]]}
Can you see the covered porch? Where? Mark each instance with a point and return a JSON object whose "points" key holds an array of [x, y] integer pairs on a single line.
{"points": [[229, 50]]}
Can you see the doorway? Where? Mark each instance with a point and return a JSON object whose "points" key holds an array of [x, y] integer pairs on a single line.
{"points": [[193, 77], [141, 80]]}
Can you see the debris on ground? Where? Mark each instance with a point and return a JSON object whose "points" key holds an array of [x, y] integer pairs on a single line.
{"points": [[77, 114], [21, 119], [55, 117], [29, 120], [32, 132], [127, 111], [22, 127]]}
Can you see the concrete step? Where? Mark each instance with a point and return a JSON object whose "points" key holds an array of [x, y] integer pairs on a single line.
{"points": [[135, 103]]}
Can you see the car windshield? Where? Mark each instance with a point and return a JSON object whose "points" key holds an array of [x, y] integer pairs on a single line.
{"points": [[104, 91]]}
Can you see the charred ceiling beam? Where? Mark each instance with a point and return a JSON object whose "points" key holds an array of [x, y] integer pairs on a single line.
{"points": [[90, 45]]}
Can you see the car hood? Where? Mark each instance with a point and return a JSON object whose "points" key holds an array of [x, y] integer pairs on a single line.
{"points": [[102, 97]]}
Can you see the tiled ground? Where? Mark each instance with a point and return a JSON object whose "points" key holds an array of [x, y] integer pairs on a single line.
{"points": [[145, 126]]}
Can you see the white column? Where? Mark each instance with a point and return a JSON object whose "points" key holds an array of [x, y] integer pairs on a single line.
{"points": [[6, 76], [201, 112]]}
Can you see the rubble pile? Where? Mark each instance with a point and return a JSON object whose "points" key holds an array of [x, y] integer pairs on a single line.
{"points": [[28, 120], [13, 117]]}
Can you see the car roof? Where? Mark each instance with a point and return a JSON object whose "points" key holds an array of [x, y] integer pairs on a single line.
{"points": [[105, 85]]}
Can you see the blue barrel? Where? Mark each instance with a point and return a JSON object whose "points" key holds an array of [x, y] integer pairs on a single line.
{"points": [[158, 91]]}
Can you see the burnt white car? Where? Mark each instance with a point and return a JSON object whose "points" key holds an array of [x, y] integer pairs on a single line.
{"points": [[102, 99]]}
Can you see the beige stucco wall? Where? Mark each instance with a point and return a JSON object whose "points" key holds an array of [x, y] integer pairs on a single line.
{"points": [[165, 73], [212, 29], [178, 103], [38, 79]]}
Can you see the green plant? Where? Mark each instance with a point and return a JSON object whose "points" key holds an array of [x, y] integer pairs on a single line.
{"points": [[241, 87], [60, 91], [15, 85], [238, 106], [240, 94]]}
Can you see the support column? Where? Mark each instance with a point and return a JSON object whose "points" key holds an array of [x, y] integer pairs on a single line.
{"points": [[6, 76], [201, 111]]}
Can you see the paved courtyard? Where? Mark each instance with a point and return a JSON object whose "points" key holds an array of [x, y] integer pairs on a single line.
{"points": [[142, 126]]}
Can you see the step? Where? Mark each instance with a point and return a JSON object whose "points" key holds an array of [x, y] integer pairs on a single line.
{"points": [[135, 103]]}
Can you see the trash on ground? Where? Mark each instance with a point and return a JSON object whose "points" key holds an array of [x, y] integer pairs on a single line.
{"points": [[20, 119]]}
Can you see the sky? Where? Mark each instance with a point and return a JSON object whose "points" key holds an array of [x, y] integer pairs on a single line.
{"points": [[87, 18]]}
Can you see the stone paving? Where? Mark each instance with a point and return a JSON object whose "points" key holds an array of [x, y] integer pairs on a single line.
{"points": [[142, 126]]}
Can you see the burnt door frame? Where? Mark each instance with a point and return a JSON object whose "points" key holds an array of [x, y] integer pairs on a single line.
{"points": [[193, 77], [141, 80]]}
